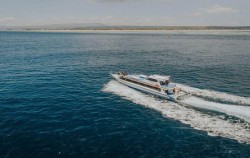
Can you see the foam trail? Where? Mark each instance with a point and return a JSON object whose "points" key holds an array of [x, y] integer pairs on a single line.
{"points": [[216, 96], [216, 125], [242, 112]]}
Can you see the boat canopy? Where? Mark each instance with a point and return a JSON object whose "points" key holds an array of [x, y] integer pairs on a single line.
{"points": [[160, 78]]}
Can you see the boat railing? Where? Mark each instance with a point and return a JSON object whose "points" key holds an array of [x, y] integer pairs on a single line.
{"points": [[141, 83]]}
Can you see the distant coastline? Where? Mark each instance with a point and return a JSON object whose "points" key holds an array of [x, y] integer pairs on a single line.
{"points": [[166, 32], [80, 28], [100, 27], [147, 28]]}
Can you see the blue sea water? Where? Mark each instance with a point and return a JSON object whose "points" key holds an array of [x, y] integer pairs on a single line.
{"points": [[52, 102]]}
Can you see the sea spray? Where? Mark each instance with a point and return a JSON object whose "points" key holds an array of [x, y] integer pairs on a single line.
{"points": [[242, 112], [214, 125], [216, 96]]}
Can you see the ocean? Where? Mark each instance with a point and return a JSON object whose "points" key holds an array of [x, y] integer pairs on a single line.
{"points": [[58, 99]]}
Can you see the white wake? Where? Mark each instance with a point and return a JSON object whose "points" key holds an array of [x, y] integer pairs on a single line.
{"points": [[214, 125], [242, 112], [216, 96]]}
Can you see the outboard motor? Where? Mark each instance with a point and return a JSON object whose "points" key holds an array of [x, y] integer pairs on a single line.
{"points": [[169, 92]]}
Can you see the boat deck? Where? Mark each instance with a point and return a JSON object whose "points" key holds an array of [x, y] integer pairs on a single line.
{"points": [[140, 81]]}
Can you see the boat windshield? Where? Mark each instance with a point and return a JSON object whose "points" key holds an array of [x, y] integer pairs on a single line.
{"points": [[152, 79], [164, 83]]}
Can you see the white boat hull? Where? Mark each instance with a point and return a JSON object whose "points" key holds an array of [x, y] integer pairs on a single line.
{"points": [[145, 89]]}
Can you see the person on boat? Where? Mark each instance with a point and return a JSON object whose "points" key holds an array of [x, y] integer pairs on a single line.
{"points": [[166, 82]]}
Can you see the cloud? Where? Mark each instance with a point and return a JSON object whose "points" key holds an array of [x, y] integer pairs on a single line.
{"points": [[197, 13], [7, 19], [217, 9], [117, 1], [110, 1]]}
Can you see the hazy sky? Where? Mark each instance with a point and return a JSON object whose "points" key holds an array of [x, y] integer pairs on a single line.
{"points": [[125, 12]]}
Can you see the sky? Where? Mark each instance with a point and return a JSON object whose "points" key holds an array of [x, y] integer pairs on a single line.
{"points": [[126, 12]]}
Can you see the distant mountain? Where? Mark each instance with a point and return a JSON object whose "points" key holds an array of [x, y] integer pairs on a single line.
{"points": [[68, 26], [106, 27], [100, 26]]}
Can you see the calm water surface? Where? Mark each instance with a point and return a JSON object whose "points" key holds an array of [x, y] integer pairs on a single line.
{"points": [[52, 103]]}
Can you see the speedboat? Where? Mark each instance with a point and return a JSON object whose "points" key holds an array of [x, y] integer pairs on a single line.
{"points": [[157, 85]]}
